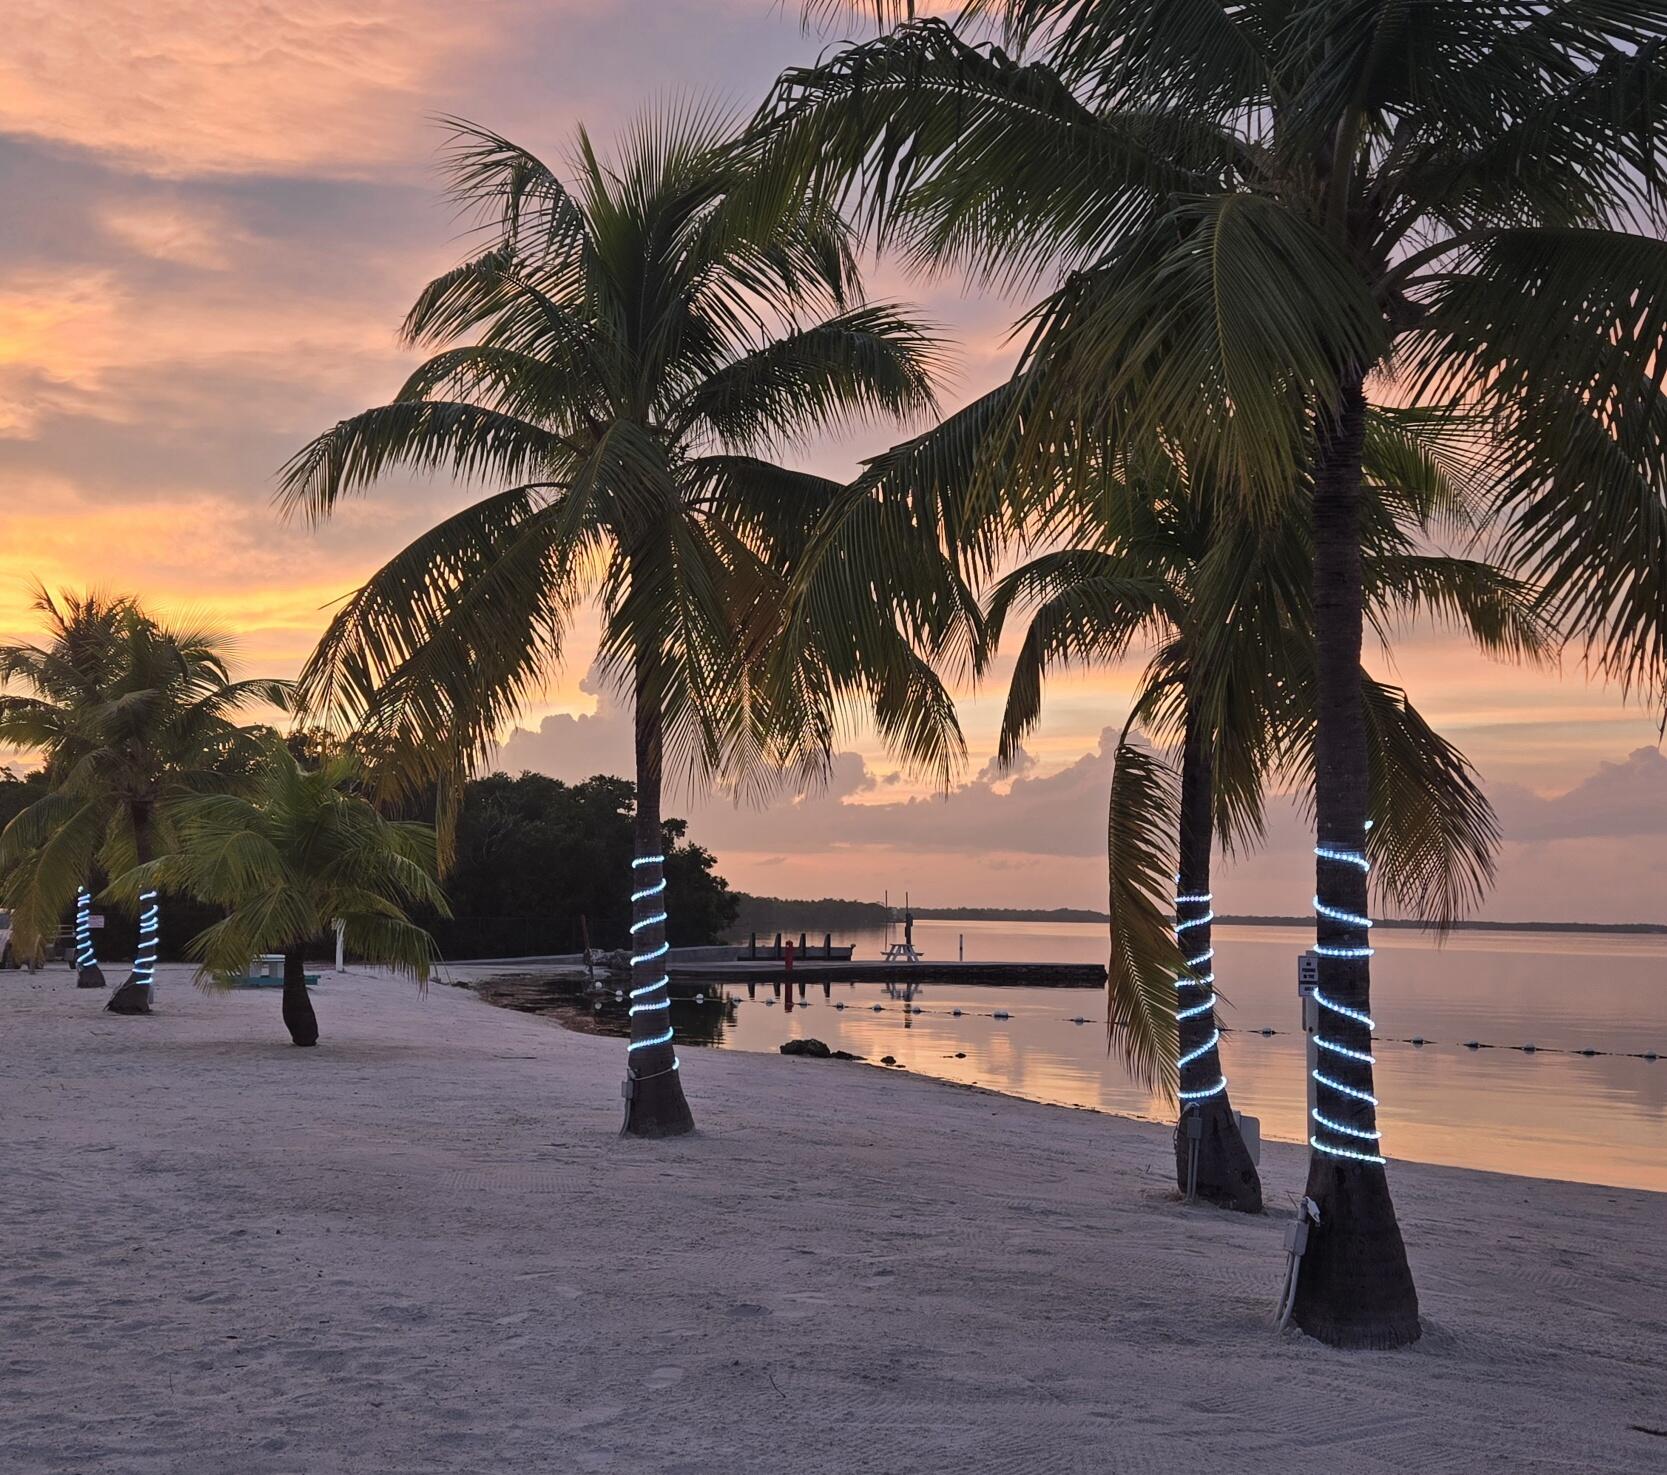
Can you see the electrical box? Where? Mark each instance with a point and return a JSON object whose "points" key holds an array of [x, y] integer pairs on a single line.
{"points": [[1308, 983], [1250, 1128], [1308, 980]]}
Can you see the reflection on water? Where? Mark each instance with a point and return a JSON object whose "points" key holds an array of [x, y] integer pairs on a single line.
{"points": [[1593, 1118]]}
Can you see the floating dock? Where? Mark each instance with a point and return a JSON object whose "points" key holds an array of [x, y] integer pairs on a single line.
{"points": [[872, 970]]}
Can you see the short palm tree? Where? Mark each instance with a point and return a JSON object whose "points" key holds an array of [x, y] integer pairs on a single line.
{"points": [[82, 656], [305, 851], [132, 717], [1259, 216], [1149, 557], [617, 359]]}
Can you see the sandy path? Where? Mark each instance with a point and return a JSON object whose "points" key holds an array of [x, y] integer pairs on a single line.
{"points": [[421, 1247]]}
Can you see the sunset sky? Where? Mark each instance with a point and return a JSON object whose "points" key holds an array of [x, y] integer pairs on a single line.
{"points": [[215, 217]]}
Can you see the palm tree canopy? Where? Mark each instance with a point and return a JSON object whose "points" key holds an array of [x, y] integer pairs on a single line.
{"points": [[1242, 206], [66, 676], [616, 361], [132, 717], [302, 852]]}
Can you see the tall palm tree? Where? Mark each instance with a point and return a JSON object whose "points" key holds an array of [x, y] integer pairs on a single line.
{"points": [[1261, 215], [132, 716], [303, 853], [618, 357]]}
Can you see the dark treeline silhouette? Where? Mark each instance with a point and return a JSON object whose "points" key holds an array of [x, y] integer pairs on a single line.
{"points": [[768, 915], [535, 855]]}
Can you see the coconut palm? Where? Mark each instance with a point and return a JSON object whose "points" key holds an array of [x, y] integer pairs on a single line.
{"points": [[617, 359], [132, 716], [304, 852], [1150, 557], [1255, 214], [66, 675]]}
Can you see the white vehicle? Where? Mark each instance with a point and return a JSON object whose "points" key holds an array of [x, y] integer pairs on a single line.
{"points": [[6, 958]]}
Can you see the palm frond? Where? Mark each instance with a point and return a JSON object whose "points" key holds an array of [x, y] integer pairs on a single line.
{"points": [[1143, 818], [1435, 837]]}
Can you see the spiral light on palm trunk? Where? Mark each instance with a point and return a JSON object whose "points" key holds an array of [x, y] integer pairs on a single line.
{"points": [[144, 962], [652, 998], [1359, 1104], [1198, 976], [85, 957]]}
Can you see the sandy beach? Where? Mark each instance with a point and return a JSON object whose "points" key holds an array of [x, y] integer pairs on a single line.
{"points": [[422, 1247]]}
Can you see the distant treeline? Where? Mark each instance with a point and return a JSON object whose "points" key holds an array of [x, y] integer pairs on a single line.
{"points": [[768, 915], [1009, 914], [1478, 925], [771, 914]]}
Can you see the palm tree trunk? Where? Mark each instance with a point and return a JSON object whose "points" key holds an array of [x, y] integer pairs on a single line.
{"points": [[135, 995], [1211, 1160], [299, 1018], [1355, 1288], [654, 1104]]}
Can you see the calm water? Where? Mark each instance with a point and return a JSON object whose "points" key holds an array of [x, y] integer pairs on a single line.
{"points": [[1598, 1119]]}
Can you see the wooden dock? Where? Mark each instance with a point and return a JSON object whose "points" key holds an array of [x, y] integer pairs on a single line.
{"points": [[866, 970]]}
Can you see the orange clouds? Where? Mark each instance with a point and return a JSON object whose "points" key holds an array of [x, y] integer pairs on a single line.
{"points": [[178, 554], [178, 87], [219, 211]]}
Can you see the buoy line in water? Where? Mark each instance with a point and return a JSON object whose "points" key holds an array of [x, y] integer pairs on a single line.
{"points": [[1417, 1041]]}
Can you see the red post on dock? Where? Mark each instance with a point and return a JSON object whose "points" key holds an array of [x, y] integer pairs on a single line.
{"points": [[787, 955]]}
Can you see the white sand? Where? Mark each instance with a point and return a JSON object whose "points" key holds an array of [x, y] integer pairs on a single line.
{"points": [[421, 1247]]}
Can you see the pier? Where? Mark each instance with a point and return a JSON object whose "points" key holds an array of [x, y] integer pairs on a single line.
{"points": [[873, 970]]}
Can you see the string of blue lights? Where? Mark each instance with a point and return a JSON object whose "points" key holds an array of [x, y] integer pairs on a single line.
{"points": [[1355, 1097], [1197, 976], [144, 962], [85, 957], [651, 998]]}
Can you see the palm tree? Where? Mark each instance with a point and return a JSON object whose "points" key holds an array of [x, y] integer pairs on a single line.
{"points": [[619, 357], [1260, 215], [132, 717], [66, 675], [1149, 556], [303, 853]]}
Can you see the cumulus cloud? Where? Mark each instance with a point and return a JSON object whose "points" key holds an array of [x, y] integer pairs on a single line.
{"points": [[574, 746], [1626, 798], [1057, 814]]}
